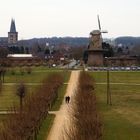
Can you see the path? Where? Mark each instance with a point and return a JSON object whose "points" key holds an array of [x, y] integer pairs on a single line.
{"points": [[62, 116], [28, 84], [127, 84], [100, 83]]}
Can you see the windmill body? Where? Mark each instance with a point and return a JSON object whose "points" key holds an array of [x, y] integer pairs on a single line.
{"points": [[95, 51]]}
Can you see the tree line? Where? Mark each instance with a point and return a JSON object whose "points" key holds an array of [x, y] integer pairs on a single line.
{"points": [[24, 122], [85, 119]]}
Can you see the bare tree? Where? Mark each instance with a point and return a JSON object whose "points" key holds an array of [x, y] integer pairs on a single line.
{"points": [[21, 91]]}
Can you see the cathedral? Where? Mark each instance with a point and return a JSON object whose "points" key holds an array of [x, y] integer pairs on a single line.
{"points": [[12, 38]]}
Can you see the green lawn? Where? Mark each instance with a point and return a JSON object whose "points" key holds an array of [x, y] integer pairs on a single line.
{"points": [[8, 97], [118, 77], [59, 99], [46, 126], [37, 74], [121, 121]]}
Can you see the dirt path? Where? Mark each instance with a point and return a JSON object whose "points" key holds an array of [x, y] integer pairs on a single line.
{"points": [[62, 116]]}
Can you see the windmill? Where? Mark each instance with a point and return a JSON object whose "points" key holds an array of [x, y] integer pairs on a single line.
{"points": [[95, 50]]}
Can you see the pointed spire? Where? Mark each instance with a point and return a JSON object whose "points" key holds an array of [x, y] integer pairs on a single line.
{"points": [[13, 27]]}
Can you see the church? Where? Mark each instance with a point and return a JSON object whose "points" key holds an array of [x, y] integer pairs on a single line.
{"points": [[12, 38]]}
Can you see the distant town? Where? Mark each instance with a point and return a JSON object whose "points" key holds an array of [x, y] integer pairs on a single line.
{"points": [[121, 51]]}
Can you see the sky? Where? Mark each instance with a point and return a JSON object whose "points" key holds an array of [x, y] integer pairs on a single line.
{"points": [[77, 18]]}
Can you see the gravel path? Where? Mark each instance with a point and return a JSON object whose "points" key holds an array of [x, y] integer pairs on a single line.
{"points": [[62, 116]]}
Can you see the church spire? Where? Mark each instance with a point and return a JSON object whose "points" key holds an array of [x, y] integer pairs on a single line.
{"points": [[13, 27]]}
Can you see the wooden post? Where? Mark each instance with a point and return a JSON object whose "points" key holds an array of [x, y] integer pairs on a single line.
{"points": [[108, 86], [109, 102]]}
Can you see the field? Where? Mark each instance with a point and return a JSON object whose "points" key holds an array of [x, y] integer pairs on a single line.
{"points": [[8, 96], [121, 121], [46, 126]]}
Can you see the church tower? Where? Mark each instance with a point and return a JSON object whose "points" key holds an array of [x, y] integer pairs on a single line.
{"points": [[12, 35]]}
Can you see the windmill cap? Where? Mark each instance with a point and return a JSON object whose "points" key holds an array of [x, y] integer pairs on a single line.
{"points": [[95, 32]]}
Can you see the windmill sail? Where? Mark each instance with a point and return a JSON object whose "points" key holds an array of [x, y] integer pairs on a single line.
{"points": [[99, 24]]}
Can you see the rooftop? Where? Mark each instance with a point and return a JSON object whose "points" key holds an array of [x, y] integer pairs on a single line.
{"points": [[20, 55]]}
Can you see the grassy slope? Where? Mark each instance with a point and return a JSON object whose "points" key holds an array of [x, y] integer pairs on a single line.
{"points": [[121, 121]]}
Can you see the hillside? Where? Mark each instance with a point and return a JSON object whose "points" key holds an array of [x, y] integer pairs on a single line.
{"points": [[56, 41], [128, 41], [77, 41]]}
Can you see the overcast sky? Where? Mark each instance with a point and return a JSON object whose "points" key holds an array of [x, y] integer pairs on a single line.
{"points": [[47, 18]]}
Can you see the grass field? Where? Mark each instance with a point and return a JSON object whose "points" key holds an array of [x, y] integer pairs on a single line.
{"points": [[37, 74], [118, 77], [121, 121], [8, 96], [59, 99], [46, 126]]}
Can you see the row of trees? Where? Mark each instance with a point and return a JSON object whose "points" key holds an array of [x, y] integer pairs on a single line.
{"points": [[22, 70], [25, 122], [86, 124], [17, 49]]}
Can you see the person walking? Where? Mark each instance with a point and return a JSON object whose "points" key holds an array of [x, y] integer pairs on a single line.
{"points": [[68, 98]]}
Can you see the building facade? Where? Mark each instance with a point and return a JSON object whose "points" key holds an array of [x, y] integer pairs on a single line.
{"points": [[12, 38], [122, 61]]}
